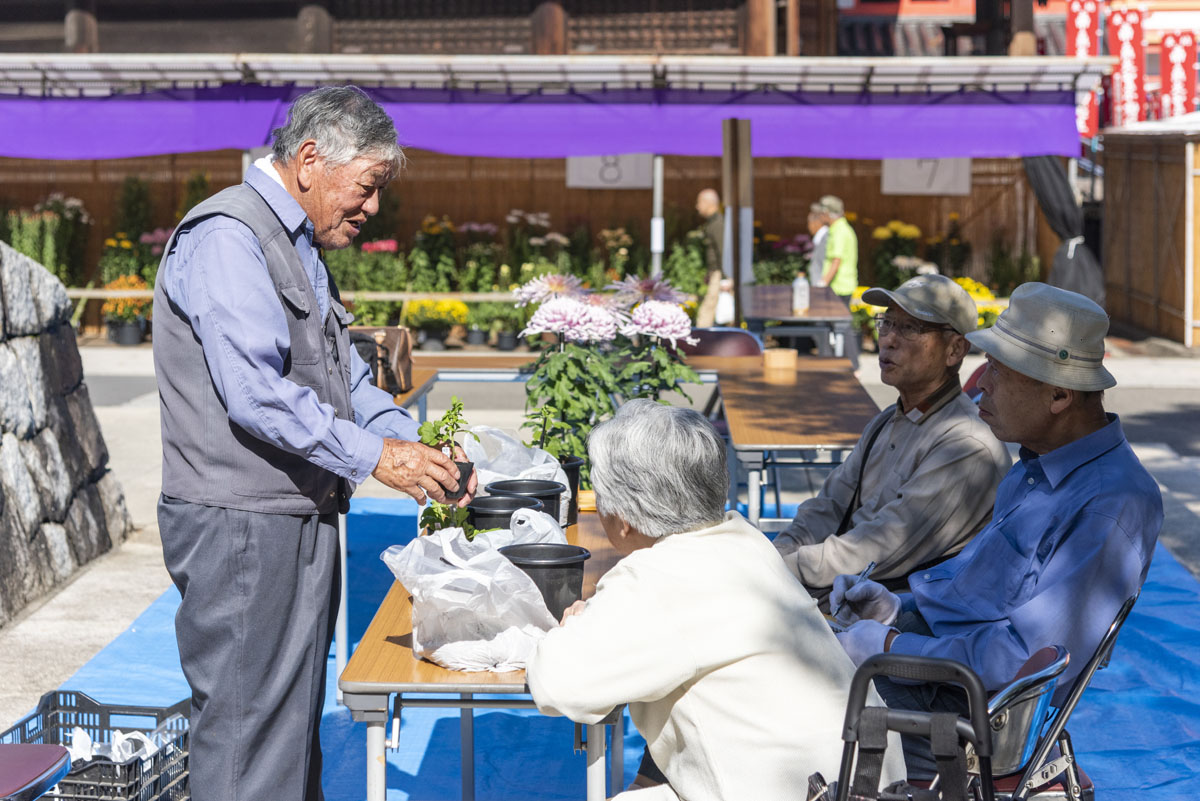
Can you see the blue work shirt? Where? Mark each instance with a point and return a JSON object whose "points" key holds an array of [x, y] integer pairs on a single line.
{"points": [[217, 275], [1070, 539]]}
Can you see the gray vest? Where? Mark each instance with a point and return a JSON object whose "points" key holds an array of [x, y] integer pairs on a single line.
{"points": [[208, 459]]}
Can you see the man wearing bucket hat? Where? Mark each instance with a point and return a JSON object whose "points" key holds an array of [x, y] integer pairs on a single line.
{"points": [[1072, 534], [921, 481]]}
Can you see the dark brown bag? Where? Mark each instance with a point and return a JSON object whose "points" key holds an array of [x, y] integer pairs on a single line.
{"points": [[392, 352]]}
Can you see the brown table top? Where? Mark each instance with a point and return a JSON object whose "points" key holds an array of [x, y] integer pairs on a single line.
{"points": [[823, 305], [820, 404], [384, 661]]}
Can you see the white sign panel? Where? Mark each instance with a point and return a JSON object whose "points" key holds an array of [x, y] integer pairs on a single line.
{"points": [[926, 177], [628, 171]]}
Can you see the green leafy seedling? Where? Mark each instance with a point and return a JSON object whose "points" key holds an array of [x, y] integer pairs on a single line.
{"points": [[443, 432]]}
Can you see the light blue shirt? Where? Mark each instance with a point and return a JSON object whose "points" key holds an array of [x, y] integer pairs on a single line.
{"points": [[217, 276], [1070, 539]]}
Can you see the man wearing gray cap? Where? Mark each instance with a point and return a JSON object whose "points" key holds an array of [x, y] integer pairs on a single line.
{"points": [[1071, 537], [921, 481]]}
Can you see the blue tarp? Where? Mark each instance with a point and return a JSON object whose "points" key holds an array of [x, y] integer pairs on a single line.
{"points": [[1137, 730]]}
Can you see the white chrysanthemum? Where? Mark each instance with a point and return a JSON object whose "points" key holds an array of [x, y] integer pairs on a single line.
{"points": [[633, 290], [657, 318], [574, 320], [547, 287]]}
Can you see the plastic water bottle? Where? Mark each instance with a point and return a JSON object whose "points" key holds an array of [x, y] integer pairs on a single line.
{"points": [[800, 295]]}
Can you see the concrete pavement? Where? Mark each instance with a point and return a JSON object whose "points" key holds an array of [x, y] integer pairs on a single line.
{"points": [[50, 640]]}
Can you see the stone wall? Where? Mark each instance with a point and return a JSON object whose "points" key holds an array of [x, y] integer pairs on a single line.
{"points": [[60, 506]]}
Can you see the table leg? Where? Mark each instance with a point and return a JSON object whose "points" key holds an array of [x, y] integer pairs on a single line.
{"points": [[617, 757], [341, 635], [376, 761], [754, 501], [422, 408], [466, 731], [731, 457], [595, 763]]}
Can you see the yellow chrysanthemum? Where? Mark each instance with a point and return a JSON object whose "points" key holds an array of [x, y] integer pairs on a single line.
{"points": [[909, 231], [895, 225], [881, 233]]}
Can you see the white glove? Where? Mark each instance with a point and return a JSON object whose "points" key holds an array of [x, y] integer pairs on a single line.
{"points": [[857, 600], [863, 640]]}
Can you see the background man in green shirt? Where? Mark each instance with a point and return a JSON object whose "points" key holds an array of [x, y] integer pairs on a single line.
{"points": [[841, 250]]}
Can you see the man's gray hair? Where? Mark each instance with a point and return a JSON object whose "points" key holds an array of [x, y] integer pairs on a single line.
{"points": [[661, 469], [345, 124]]}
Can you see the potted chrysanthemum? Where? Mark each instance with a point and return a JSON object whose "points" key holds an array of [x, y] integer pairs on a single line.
{"points": [[651, 363], [574, 375]]}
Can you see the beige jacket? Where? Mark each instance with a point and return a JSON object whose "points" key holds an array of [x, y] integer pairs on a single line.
{"points": [[731, 674], [927, 489]]}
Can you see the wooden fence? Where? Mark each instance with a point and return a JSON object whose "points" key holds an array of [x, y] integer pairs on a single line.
{"points": [[1150, 232]]}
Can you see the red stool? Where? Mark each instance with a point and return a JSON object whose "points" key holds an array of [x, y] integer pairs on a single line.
{"points": [[29, 770]]}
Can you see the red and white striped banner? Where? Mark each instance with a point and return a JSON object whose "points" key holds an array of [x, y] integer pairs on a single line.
{"points": [[1083, 40], [1129, 79], [1177, 66]]}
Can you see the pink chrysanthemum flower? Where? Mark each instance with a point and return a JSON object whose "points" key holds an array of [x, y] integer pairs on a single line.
{"points": [[657, 318], [574, 320], [633, 290], [547, 287]]}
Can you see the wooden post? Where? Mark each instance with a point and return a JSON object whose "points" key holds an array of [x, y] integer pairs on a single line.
{"points": [[744, 272], [315, 28], [729, 186], [792, 34], [549, 29], [81, 34], [760, 28]]}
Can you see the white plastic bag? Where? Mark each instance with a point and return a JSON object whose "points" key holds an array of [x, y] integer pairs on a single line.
{"points": [[472, 608], [499, 456], [527, 526]]}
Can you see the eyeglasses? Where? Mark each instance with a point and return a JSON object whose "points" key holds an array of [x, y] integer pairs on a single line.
{"points": [[908, 329]]}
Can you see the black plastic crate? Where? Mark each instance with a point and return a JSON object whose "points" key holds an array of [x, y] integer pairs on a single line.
{"points": [[162, 777]]}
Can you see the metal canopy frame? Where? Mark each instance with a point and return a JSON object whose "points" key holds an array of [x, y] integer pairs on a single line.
{"points": [[74, 75]]}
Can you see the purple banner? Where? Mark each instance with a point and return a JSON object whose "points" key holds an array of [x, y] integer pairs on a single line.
{"points": [[813, 124]]}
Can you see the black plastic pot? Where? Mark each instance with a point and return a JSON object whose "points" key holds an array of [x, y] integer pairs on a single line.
{"points": [[126, 332], [506, 340], [557, 570], [548, 492], [476, 336], [570, 466], [494, 511], [464, 475]]}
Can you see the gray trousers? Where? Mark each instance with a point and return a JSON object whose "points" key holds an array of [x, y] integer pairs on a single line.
{"points": [[918, 753], [254, 630]]}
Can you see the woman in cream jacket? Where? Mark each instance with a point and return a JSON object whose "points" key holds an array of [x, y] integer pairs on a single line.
{"points": [[730, 672]]}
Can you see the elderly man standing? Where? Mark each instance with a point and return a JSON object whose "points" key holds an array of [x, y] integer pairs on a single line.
{"points": [[269, 421], [921, 481], [708, 206], [1071, 538], [730, 672]]}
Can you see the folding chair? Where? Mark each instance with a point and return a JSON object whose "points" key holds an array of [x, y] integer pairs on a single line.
{"points": [[1053, 772], [28, 771], [1030, 755]]}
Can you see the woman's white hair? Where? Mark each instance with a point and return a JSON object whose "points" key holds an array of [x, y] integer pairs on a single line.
{"points": [[345, 124], [661, 469]]}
